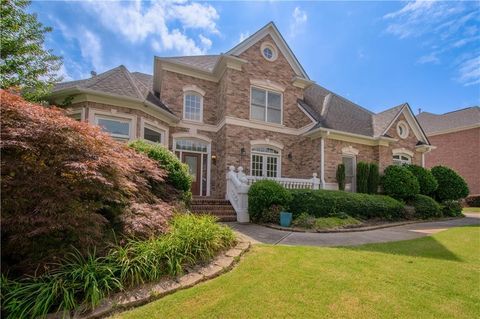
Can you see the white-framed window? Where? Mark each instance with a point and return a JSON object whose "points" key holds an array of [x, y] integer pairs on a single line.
{"points": [[266, 105], [402, 159], [118, 127], [265, 161], [153, 132], [76, 116], [193, 106], [269, 52], [350, 162], [402, 129]]}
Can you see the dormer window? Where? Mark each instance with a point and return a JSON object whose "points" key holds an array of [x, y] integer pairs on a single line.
{"points": [[266, 106]]}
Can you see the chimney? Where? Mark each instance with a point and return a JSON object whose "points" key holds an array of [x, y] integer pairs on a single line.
{"points": [[419, 110], [93, 74]]}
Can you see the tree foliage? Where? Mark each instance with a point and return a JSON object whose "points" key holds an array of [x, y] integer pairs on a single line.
{"points": [[399, 182], [25, 63], [362, 177], [341, 176], [373, 178], [428, 183], [451, 186], [67, 183]]}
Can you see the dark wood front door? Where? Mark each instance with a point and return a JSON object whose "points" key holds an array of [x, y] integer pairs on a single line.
{"points": [[193, 161]]}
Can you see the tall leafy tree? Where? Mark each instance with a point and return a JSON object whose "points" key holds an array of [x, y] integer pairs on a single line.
{"points": [[25, 62]]}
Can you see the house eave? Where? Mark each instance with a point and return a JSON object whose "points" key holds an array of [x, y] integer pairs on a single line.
{"points": [[351, 137]]}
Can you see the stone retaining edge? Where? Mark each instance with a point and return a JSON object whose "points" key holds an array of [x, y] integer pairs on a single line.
{"points": [[146, 293], [358, 229]]}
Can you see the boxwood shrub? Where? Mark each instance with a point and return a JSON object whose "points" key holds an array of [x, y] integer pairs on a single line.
{"points": [[427, 182], [450, 185], [425, 207], [264, 194], [324, 203], [399, 182], [451, 208]]}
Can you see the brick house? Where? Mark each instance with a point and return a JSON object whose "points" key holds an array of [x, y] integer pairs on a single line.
{"points": [[456, 136], [253, 107]]}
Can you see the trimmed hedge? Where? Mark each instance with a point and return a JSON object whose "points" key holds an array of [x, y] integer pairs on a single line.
{"points": [[425, 207], [324, 203], [450, 185], [451, 208], [341, 176], [400, 183], [373, 178], [426, 180], [362, 177], [264, 194]]}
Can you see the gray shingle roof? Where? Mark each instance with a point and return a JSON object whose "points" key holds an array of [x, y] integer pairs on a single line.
{"points": [[118, 81], [381, 120], [202, 62], [433, 123]]}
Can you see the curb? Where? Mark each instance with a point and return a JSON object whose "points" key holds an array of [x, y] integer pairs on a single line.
{"points": [[356, 229], [146, 293]]}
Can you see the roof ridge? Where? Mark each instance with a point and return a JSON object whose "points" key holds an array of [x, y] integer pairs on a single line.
{"points": [[102, 76], [344, 98], [132, 81], [464, 109]]}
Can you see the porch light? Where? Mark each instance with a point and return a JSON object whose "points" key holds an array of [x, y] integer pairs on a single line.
{"points": [[214, 159], [242, 151]]}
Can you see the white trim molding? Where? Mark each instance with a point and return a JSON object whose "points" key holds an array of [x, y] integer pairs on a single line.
{"points": [[402, 151], [194, 88], [192, 136], [402, 125], [267, 84], [154, 125], [272, 47], [350, 150], [93, 114], [267, 142]]}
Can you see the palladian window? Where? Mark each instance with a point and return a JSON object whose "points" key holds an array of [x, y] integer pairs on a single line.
{"points": [[265, 162], [401, 159]]}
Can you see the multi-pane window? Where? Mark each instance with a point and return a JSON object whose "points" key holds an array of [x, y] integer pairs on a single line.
{"points": [[152, 135], [265, 162], [193, 107], [118, 128], [401, 159], [266, 106], [191, 145]]}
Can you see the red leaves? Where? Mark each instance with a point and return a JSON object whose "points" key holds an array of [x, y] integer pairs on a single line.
{"points": [[67, 183]]}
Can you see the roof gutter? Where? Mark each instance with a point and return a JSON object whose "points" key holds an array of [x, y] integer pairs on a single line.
{"points": [[327, 131], [78, 90]]}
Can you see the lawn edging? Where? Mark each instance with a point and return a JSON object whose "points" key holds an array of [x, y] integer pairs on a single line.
{"points": [[149, 292], [357, 229]]}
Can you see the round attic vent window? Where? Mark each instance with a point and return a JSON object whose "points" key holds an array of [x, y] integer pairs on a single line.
{"points": [[268, 51], [402, 129]]}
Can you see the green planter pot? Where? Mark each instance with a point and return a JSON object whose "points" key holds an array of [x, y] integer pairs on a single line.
{"points": [[285, 219]]}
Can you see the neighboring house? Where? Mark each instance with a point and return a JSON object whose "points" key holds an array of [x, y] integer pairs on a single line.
{"points": [[457, 138], [254, 107]]}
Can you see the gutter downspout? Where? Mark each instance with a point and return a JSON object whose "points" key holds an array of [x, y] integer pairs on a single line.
{"points": [[322, 159]]}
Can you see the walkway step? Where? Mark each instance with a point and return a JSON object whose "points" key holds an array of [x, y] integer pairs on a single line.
{"points": [[218, 207]]}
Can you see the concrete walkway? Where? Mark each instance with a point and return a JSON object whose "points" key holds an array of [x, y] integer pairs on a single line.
{"points": [[260, 234]]}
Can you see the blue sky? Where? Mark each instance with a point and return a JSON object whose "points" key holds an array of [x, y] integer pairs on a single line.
{"points": [[377, 54]]}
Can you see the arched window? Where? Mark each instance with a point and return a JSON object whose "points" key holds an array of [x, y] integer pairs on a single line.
{"points": [[265, 161], [402, 159], [193, 106]]}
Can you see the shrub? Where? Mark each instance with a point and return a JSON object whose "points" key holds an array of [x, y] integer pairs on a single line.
{"points": [[324, 203], [362, 177], [86, 280], [451, 208], [426, 180], [399, 182], [450, 185], [177, 171], [335, 222], [373, 178], [262, 195], [304, 220], [67, 183], [341, 176], [425, 207], [473, 200]]}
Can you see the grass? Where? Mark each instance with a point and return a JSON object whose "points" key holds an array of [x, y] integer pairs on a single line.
{"points": [[432, 277], [471, 209]]}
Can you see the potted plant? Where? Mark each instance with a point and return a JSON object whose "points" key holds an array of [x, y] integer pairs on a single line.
{"points": [[285, 219]]}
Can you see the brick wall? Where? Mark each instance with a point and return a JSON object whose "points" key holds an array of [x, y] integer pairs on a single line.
{"points": [[459, 151]]}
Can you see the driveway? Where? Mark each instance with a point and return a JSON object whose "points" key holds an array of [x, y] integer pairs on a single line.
{"points": [[260, 234]]}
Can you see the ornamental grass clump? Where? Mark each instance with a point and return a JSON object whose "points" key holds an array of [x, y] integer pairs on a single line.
{"points": [[80, 282]]}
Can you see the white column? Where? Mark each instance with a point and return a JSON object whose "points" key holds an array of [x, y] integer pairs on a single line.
{"points": [[322, 159]]}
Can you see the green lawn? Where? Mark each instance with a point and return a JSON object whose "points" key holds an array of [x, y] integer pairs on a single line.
{"points": [[431, 277], [471, 209]]}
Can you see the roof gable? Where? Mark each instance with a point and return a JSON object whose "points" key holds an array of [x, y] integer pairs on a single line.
{"points": [[271, 29]]}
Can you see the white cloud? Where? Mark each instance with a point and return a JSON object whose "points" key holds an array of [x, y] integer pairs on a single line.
{"points": [[138, 22], [445, 29], [243, 36], [299, 20], [206, 42], [91, 49]]}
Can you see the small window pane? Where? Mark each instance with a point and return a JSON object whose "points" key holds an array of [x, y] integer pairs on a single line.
{"points": [[191, 145], [267, 52], [257, 165], [193, 107], [151, 135], [264, 150], [274, 100], [258, 97], [272, 166], [258, 112], [115, 127], [274, 116]]}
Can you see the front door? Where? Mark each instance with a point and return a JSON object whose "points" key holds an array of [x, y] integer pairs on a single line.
{"points": [[194, 167]]}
